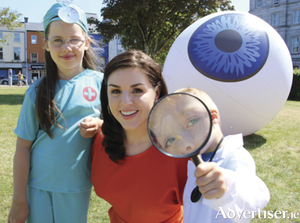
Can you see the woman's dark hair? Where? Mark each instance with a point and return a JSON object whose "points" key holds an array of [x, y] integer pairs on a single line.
{"points": [[46, 110], [114, 135]]}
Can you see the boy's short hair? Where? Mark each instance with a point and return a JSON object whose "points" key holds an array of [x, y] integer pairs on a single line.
{"points": [[203, 96]]}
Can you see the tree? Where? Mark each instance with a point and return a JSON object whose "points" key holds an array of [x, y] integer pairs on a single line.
{"points": [[153, 25], [8, 18]]}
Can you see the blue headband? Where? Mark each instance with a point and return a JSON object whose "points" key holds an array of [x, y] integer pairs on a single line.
{"points": [[67, 13]]}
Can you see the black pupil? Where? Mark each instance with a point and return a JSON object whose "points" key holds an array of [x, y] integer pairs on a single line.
{"points": [[228, 41]]}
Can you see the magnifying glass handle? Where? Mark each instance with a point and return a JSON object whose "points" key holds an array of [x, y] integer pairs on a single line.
{"points": [[196, 194], [197, 159]]}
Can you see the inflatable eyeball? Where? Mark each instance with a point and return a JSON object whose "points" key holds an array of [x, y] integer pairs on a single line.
{"points": [[240, 61]]}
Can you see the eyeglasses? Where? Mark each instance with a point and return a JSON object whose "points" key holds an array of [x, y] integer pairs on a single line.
{"points": [[74, 42]]}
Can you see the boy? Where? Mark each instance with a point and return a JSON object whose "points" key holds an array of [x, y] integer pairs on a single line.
{"points": [[231, 191]]}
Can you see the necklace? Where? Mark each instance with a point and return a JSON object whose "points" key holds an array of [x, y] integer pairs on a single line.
{"points": [[213, 155]]}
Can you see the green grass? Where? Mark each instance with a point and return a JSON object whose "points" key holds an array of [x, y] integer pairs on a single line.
{"points": [[11, 99], [275, 149]]}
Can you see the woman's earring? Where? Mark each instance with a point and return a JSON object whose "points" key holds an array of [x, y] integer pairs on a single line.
{"points": [[108, 109]]}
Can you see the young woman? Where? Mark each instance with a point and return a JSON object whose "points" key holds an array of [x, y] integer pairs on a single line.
{"points": [[141, 183], [52, 160]]}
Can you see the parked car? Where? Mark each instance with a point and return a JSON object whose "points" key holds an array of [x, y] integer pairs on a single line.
{"points": [[15, 80]]}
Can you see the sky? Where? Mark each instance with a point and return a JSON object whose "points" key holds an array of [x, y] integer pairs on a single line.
{"points": [[36, 9]]}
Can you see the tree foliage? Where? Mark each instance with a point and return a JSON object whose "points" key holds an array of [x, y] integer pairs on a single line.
{"points": [[295, 90], [153, 25], [8, 18]]}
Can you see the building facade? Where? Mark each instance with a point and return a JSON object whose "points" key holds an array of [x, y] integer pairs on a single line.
{"points": [[101, 49], [35, 51], [99, 46], [12, 50], [115, 47], [284, 16]]}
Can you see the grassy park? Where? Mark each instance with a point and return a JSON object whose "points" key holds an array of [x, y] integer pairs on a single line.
{"points": [[275, 149]]}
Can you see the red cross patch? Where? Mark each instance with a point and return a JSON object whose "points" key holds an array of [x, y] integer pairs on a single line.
{"points": [[89, 93]]}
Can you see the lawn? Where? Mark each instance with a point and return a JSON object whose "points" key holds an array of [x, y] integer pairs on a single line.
{"points": [[275, 149]]}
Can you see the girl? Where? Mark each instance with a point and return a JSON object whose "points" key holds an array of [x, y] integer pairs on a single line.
{"points": [[141, 183], [52, 160]]}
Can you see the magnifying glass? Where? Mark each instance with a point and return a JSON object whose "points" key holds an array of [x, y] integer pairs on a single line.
{"points": [[179, 125]]}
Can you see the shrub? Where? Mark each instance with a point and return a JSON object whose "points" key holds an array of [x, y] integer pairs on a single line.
{"points": [[295, 91]]}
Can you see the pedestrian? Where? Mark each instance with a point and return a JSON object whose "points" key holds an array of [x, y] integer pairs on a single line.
{"points": [[20, 78]]}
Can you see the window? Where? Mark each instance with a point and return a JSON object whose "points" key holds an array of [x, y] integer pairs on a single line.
{"points": [[1, 53], [1, 36], [258, 3], [34, 57], [17, 53], [275, 19], [296, 16], [276, 2], [33, 39], [17, 37], [295, 45]]}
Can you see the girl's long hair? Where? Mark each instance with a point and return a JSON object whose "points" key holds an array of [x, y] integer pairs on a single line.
{"points": [[114, 135], [46, 108]]}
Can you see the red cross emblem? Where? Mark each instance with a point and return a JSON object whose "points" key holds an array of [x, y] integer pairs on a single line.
{"points": [[89, 93]]}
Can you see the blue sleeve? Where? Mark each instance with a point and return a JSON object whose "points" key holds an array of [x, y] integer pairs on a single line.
{"points": [[27, 127]]}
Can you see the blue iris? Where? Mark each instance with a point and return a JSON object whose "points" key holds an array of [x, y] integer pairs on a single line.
{"points": [[229, 48]]}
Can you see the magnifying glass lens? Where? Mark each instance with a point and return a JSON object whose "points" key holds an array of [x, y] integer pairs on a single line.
{"points": [[179, 125]]}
